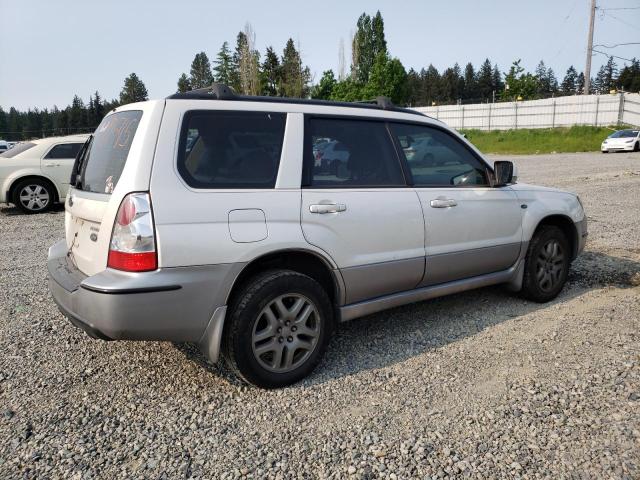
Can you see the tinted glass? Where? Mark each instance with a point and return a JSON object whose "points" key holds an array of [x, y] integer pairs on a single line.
{"points": [[64, 150], [231, 149], [624, 134], [350, 153], [107, 153], [436, 158], [18, 148]]}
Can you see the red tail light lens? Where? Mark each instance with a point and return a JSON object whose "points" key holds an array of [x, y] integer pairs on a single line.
{"points": [[133, 244]]}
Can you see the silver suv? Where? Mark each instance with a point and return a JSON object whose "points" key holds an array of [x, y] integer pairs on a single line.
{"points": [[213, 218]]}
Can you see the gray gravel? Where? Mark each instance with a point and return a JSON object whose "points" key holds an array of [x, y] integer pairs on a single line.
{"points": [[480, 384]]}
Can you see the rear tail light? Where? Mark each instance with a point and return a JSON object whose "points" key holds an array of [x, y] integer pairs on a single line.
{"points": [[133, 243]]}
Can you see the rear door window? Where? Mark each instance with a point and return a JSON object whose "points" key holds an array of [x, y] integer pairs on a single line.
{"points": [[345, 153], [64, 150], [107, 153], [18, 149], [230, 149]]}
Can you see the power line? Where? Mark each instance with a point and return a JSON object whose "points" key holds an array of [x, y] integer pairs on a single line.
{"points": [[622, 21], [616, 44], [620, 8], [609, 55]]}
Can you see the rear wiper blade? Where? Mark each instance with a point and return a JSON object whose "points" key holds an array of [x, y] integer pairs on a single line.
{"points": [[79, 161]]}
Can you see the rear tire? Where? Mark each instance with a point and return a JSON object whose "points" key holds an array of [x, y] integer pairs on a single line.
{"points": [[278, 329], [33, 195], [546, 264]]}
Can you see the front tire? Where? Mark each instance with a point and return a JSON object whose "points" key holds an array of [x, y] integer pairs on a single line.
{"points": [[278, 329], [546, 264], [636, 147], [33, 196]]}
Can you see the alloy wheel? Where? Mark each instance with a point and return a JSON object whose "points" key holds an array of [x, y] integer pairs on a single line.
{"points": [[550, 265], [34, 197], [285, 333]]}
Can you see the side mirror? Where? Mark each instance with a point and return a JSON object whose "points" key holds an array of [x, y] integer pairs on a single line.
{"points": [[503, 172]]}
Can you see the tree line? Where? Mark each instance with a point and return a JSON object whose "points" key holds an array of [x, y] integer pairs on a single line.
{"points": [[371, 72]]}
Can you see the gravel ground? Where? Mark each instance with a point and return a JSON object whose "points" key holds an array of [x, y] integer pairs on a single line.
{"points": [[480, 384]]}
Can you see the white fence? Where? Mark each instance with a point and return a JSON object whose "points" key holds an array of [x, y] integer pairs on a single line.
{"points": [[603, 110]]}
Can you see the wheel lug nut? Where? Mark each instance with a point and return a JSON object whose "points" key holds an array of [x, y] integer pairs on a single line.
{"points": [[289, 339], [287, 323], [294, 328], [281, 340], [279, 329]]}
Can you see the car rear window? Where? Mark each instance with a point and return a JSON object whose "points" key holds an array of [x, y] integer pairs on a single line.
{"points": [[17, 149], [107, 153], [230, 149], [64, 150]]}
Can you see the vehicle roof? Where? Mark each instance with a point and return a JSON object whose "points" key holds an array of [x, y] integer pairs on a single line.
{"points": [[79, 137]]}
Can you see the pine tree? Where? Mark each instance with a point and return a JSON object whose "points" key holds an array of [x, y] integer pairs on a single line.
{"points": [[552, 81], [294, 77], [248, 59], [200, 75], [485, 80], [542, 78], [378, 40], [470, 82], [362, 49], [223, 65], [271, 73], [610, 75], [629, 78], [77, 115], [133, 90], [580, 85], [184, 85], [496, 80], [569, 83], [234, 72], [431, 82]]}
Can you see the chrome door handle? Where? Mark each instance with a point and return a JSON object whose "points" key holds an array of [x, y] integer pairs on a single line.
{"points": [[443, 203], [51, 164], [327, 208]]}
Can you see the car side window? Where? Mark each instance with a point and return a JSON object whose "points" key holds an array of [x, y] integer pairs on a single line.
{"points": [[64, 150], [436, 158], [230, 149], [345, 153]]}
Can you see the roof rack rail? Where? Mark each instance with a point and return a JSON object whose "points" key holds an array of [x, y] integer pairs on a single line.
{"points": [[220, 91], [384, 103]]}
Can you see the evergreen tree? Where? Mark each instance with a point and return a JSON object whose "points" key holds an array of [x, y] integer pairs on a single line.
{"points": [[270, 73], [552, 81], [248, 63], [77, 115], [224, 65], [498, 84], [580, 85], [431, 85], [133, 90], [294, 77], [470, 82], [610, 75], [184, 85], [485, 80], [569, 84], [542, 78], [629, 78], [414, 87], [200, 75]]}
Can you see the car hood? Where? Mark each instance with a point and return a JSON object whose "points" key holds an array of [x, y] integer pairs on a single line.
{"points": [[526, 187], [618, 141]]}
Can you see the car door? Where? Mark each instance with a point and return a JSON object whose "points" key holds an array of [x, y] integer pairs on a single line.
{"points": [[360, 211], [471, 228], [57, 164]]}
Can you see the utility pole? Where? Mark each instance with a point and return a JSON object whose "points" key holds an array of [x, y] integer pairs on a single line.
{"points": [[587, 70]]}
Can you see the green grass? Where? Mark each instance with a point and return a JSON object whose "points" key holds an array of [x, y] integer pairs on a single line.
{"points": [[542, 140]]}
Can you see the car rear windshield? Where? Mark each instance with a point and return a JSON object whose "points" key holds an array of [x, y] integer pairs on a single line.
{"points": [[230, 149], [107, 153], [18, 148]]}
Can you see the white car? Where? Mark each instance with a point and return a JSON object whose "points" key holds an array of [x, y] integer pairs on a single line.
{"points": [[176, 231], [622, 140], [35, 174]]}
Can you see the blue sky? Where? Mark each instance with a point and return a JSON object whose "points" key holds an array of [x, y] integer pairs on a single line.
{"points": [[51, 50]]}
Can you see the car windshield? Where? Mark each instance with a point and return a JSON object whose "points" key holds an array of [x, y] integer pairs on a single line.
{"points": [[624, 134], [19, 148]]}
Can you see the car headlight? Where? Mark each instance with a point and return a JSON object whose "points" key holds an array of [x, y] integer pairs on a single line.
{"points": [[629, 141], [604, 142]]}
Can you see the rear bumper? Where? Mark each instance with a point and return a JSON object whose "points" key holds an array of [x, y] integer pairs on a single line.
{"points": [[175, 304]]}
